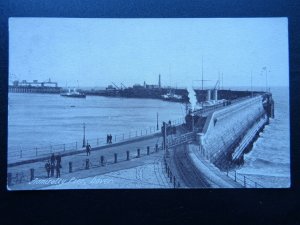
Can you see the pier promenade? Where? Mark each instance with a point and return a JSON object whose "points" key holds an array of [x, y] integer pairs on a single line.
{"points": [[105, 158]]}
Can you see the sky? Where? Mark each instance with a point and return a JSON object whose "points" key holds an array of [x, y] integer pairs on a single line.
{"points": [[96, 52]]}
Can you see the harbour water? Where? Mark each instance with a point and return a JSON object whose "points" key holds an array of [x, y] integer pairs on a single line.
{"points": [[37, 120], [40, 120]]}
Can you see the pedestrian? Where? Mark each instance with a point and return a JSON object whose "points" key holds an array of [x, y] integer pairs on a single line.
{"points": [[58, 166], [90, 148], [110, 138], [52, 159], [47, 167], [52, 165], [87, 149], [58, 159], [107, 139]]}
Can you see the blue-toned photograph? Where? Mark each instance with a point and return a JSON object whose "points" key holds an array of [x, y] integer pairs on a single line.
{"points": [[98, 103]]}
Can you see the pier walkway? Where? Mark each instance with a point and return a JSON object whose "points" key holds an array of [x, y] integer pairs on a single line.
{"points": [[105, 159]]}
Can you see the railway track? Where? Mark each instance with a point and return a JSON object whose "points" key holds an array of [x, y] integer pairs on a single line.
{"points": [[188, 173]]}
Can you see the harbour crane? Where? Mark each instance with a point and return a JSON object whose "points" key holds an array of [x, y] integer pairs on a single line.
{"points": [[123, 85], [116, 86], [217, 86]]}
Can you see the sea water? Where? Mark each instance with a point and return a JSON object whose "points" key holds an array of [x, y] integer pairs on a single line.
{"points": [[268, 163]]}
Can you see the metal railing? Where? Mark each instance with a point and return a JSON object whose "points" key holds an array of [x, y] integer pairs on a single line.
{"points": [[30, 153], [68, 167], [182, 139], [243, 180]]}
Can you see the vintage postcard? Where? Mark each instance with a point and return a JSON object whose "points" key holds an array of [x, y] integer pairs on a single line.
{"points": [[148, 103]]}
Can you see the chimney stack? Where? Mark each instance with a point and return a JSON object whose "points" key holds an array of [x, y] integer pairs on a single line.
{"points": [[159, 81]]}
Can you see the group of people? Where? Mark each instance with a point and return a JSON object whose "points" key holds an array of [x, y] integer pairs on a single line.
{"points": [[109, 139], [88, 149], [53, 164]]}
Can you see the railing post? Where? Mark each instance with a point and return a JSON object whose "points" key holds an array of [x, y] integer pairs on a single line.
{"points": [[21, 153], [36, 152], [70, 167], [156, 147], [127, 153], [244, 181], [87, 164], [31, 174], [234, 175], [102, 160], [148, 150], [138, 153], [64, 147], [116, 158]]}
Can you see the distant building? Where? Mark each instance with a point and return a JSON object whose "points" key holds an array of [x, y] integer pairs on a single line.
{"points": [[152, 86], [34, 83]]}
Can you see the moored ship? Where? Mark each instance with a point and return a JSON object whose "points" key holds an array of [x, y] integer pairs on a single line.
{"points": [[73, 94]]}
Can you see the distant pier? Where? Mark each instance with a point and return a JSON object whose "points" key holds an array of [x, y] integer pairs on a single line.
{"points": [[47, 87]]}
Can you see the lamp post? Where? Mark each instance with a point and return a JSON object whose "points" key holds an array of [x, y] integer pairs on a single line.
{"points": [[265, 68], [157, 121], [192, 114], [83, 142]]}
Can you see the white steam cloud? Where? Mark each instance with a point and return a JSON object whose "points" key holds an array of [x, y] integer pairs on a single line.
{"points": [[192, 97]]}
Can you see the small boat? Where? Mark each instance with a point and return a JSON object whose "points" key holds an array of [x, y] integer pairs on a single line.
{"points": [[171, 96], [73, 94]]}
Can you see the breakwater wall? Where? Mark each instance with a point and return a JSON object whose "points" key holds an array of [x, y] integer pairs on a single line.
{"points": [[231, 128]]}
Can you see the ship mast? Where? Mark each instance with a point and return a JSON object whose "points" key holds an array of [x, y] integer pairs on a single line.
{"points": [[202, 73]]}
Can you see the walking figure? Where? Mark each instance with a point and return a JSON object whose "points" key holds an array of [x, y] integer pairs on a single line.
{"points": [[58, 159], [52, 159], [88, 149], [110, 138], [52, 165], [58, 165], [47, 167], [107, 139]]}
